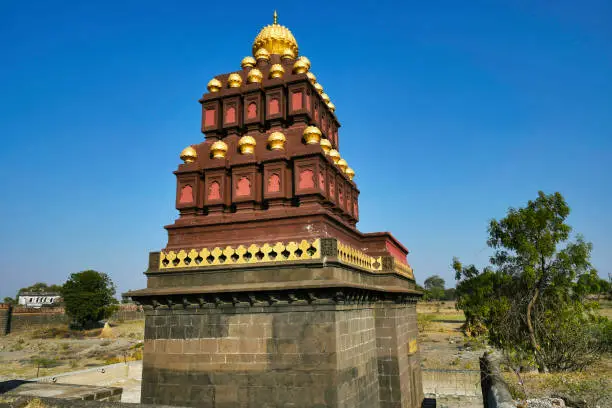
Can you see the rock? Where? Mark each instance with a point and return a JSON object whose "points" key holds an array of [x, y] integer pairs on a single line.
{"points": [[546, 403], [570, 402]]}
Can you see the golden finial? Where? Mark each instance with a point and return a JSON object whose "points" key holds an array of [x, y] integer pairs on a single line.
{"points": [[189, 154], [275, 17], [312, 135]]}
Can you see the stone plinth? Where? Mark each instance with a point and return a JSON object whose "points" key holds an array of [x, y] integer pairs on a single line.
{"points": [[328, 331]]}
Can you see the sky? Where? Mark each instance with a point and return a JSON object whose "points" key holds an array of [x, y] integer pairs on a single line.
{"points": [[471, 108]]}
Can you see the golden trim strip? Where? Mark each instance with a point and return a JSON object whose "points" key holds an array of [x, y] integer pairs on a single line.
{"points": [[403, 269], [351, 256], [241, 255]]}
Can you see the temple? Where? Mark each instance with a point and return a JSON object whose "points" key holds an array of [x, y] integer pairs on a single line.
{"points": [[266, 294]]}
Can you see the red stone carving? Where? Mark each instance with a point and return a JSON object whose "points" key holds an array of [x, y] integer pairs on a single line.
{"points": [[273, 106], [306, 179], [322, 181], [332, 192], [355, 209], [243, 187], [186, 194], [230, 115], [308, 101], [209, 117], [340, 197], [252, 110], [296, 100], [214, 191], [316, 113], [274, 183]]}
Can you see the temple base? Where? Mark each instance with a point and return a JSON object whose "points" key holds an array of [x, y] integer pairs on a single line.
{"points": [[337, 344]]}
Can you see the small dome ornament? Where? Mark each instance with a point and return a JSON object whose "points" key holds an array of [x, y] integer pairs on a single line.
{"points": [[248, 62], [277, 71], [311, 77], [246, 144], [234, 80], [300, 67], [305, 61], [312, 135], [276, 141], [334, 155], [214, 85], [262, 54], [275, 38], [331, 106], [319, 87], [326, 146], [218, 149], [254, 76], [350, 173], [325, 97], [288, 54], [342, 164], [189, 154]]}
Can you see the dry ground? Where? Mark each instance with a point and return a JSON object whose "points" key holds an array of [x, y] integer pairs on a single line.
{"points": [[57, 350]]}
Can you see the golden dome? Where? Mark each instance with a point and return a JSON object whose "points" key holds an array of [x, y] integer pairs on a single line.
{"points": [[254, 75], [276, 141], [334, 155], [319, 87], [305, 61], [277, 71], [311, 77], [350, 173], [248, 62], [214, 85], [234, 80], [312, 135], [325, 97], [189, 154], [300, 67], [342, 164], [326, 146], [263, 54], [275, 38], [247, 144], [218, 149], [331, 106]]}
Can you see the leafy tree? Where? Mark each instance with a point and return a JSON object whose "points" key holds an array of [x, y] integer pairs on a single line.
{"points": [[434, 287], [40, 287], [450, 294], [536, 286], [9, 300], [89, 297]]}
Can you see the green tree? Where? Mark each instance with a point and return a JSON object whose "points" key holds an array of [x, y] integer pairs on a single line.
{"points": [[434, 287], [9, 300], [537, 284], [89, 297]]}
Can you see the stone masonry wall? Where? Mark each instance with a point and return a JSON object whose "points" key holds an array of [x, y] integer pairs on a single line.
{"points": [[5, 311]]}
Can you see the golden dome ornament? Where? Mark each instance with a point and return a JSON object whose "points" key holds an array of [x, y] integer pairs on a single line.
{"points": [[326, 146], [275, 38], [277, 71], [262, 54], [319, 87], [234, 80], [248, 62], [189, 155], [334, 155], [305, 61], [214, 85], [350, 173], [300, 67], [254, 76], [218, 149], [342, 164], [276, 141], [325, 97], [311, 77], [331, 106], [246, 144], [312, 135], [288, 54]]}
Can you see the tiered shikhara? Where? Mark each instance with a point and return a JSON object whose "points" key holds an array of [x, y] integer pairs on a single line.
{"points": [[268, 210]]}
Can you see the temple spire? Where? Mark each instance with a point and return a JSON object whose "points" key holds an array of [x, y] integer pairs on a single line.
{"points": [[275, 17]]}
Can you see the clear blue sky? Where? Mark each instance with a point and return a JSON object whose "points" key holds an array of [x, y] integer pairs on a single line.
{"points": [[474, 107]]}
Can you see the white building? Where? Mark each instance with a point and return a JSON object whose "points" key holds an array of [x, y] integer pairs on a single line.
{"points": [[38, 299]]}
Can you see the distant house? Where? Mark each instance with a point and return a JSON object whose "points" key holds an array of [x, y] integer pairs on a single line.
{"points": [[39, 299]]}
